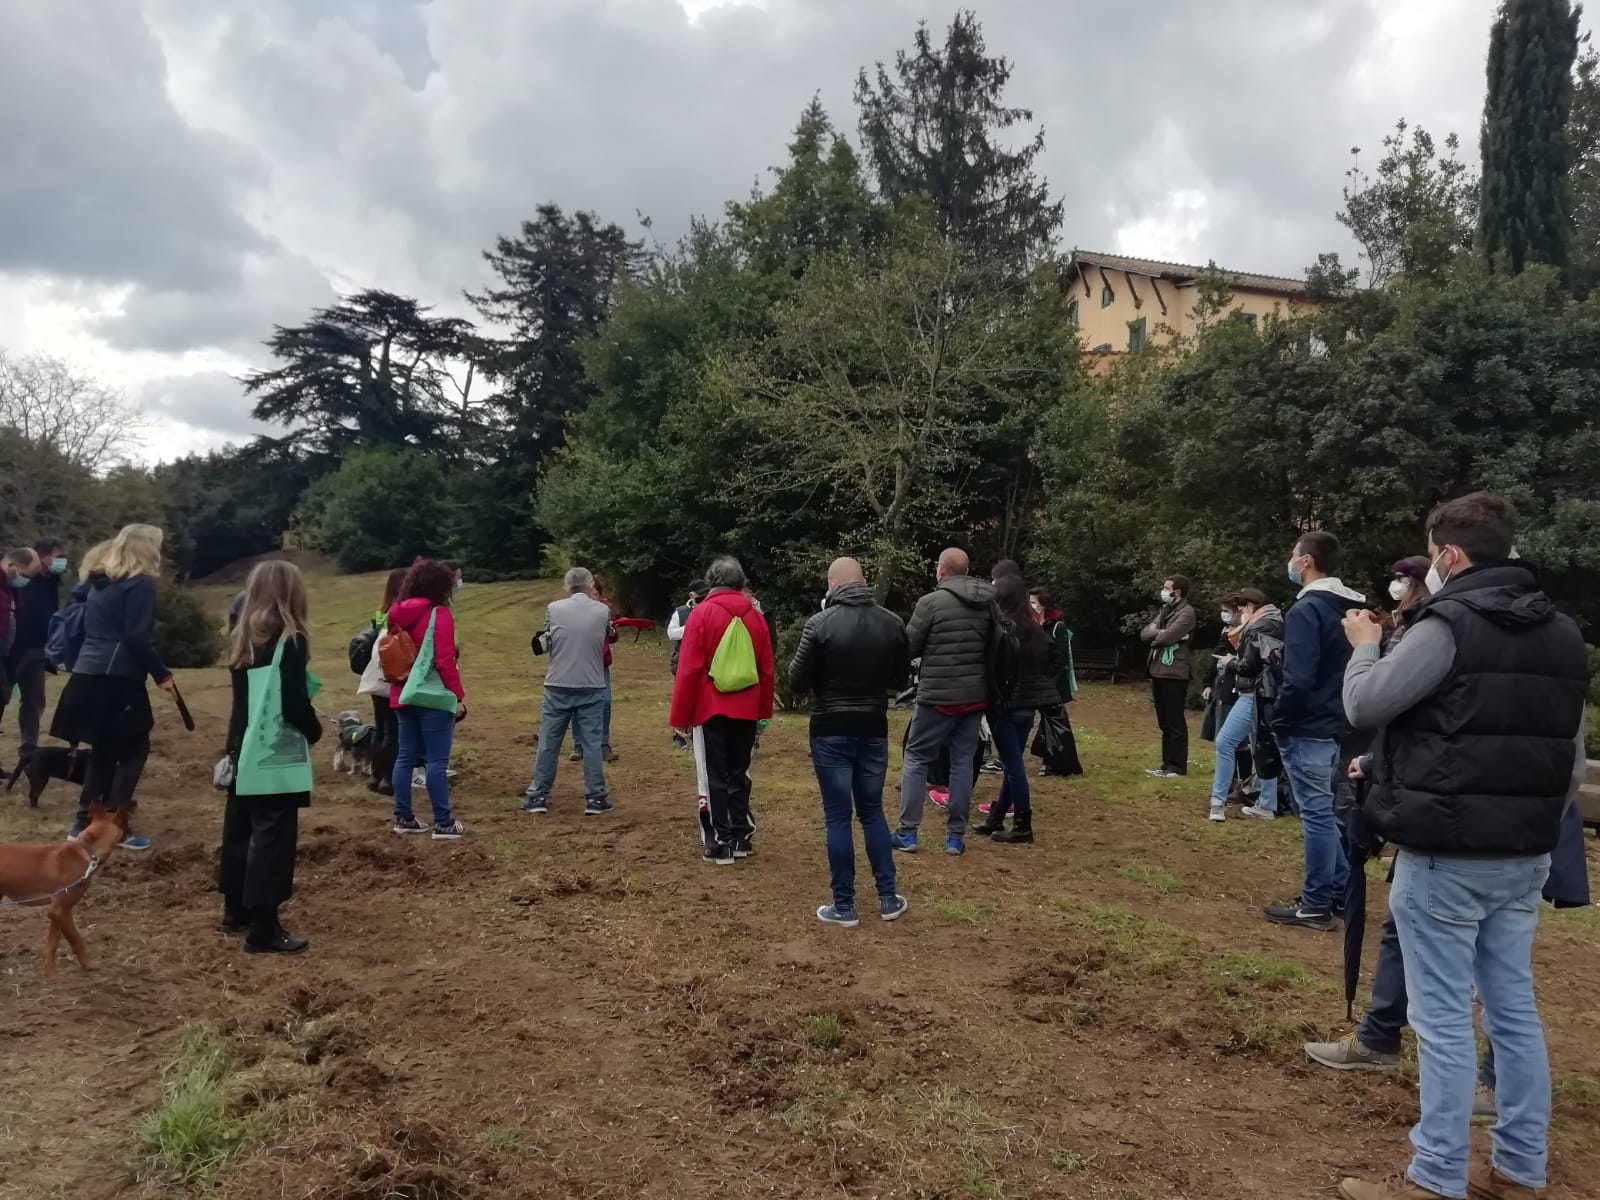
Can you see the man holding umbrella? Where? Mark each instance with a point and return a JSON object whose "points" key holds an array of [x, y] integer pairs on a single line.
{"points": [[1479, 716]]}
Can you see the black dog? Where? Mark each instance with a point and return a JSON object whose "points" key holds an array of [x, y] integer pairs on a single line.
{"points": [[44, 763]]}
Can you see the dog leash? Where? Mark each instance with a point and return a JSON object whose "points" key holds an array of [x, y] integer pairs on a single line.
{"points": [[94, 865]]}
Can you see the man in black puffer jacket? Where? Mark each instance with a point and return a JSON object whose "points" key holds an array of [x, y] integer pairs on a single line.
{"points": [[852, 656], [950, 632], [1479, 715]]}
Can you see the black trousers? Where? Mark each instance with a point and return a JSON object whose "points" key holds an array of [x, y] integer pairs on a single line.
{"points": [[1171, 699], [385, 738], [28, 674], [728, 746], [258, 847], [111, 776]]}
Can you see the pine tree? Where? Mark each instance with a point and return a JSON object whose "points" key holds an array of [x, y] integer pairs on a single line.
{"points": [[1527, 155], [939, 131]]}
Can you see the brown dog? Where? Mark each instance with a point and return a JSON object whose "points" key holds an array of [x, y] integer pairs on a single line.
{"points": [[58, 875]]}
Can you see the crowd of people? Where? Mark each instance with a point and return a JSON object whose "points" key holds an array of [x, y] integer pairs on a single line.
{"points": [[1449, 728]]}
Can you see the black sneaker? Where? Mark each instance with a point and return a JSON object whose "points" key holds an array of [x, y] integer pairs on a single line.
{"points": [[598, 806], [743, 847], [1298, 914], [409, 825], [992, 767], [575, 756], [280, 942], [719, 853]]}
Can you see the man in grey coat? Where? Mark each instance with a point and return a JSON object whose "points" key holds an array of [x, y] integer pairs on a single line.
{"points": [[949, 631], [1169, 636], [574, 637]]}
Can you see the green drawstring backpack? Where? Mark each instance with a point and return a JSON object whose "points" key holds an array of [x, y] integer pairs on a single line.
{"points": [[733, 666]]}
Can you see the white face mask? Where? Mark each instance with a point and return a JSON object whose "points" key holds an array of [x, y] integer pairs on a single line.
{"points": [[1166, 595], [1435, 581], [1228, 618], [1398, 589]]}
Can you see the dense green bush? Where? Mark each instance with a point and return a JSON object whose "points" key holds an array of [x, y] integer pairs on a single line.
{"points": [[381, 508], [788, 643], [186, 634]]}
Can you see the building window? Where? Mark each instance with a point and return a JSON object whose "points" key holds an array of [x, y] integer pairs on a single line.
{"points": [[1245, 318], [1137, 337], [1072, 314], [1107, 296]]}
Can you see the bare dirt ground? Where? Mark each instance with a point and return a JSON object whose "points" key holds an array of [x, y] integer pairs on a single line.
{"points": [[578, 1007]]}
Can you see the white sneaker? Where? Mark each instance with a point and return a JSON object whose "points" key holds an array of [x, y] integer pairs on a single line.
{"points": [[1216, 814], [1259, 813]]}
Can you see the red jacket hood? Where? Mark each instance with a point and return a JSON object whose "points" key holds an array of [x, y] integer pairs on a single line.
{"points": [[411, 612], [736, 604]]}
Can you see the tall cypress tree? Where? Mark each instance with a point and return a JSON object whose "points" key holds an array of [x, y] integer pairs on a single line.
{"points": [[1527, 157], [938, 128]]}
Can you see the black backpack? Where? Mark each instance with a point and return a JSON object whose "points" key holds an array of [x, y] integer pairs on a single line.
{"points": [[361, 647], [1005, 657]]}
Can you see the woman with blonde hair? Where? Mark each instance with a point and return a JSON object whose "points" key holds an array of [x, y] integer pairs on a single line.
{"points": [[104, 705], [260, 828]]}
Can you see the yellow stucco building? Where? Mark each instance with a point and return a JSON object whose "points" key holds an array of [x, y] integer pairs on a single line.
{"points": [[1121, 304]]}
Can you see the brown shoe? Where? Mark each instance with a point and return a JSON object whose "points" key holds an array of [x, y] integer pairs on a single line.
{"points": [[1396, 1187], [1485, 1183]]}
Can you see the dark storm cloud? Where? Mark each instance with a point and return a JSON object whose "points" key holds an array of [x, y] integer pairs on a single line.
{"points": [[100, 180], [389, 141]]}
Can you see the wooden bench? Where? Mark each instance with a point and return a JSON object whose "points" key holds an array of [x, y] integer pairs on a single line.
{"points": [[1106, 661], [1589, 796]]}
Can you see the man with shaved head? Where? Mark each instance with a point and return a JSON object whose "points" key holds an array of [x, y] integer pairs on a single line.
{"points": [[852, 656], [950, 632]]}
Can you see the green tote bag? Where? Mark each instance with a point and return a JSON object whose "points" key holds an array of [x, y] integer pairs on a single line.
{"points": [[423, 687], [274, 757]]}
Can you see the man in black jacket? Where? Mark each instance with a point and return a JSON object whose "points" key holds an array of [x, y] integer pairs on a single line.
{"points": [[1479, 716], [949, 631], [852, 656], [36, 604]]}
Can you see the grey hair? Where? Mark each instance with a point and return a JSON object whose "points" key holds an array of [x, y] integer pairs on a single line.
{"points": [[580, 579], [726, 572]]}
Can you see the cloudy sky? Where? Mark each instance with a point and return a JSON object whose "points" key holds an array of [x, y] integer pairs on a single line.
{"points": [[176, 176]]}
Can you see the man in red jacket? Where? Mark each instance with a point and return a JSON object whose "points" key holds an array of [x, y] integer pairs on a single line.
{"points": [[723, 724]]}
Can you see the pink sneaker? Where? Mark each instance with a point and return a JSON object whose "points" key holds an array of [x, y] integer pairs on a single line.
{"points": [[984, 809], [940, 799]]}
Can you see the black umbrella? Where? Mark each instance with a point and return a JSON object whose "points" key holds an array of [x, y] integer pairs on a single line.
{"points": [[1359, 846]]}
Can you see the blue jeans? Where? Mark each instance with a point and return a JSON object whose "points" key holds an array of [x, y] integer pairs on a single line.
{"points": [[1311, 763], [425, 737], [1466, 921], [605, 729], [851, 773], [1386, 1016], [583, 709], [1235, 732], [1011, 727], [930, 730]]}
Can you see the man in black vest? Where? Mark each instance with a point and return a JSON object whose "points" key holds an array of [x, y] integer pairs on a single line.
{"points": [[1479, 715]]}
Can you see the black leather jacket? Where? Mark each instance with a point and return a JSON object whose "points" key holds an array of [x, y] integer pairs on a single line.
{"points": [[852, 655]]}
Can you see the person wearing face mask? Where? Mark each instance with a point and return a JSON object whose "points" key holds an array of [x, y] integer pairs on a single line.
{"points": [[1308, 722], [36, 602], [18, 567], [1478, 760], [1169, 636], [1407, 589], [1260, 635]]}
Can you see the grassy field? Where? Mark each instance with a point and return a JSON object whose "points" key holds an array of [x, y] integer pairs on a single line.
{"points": [[579, 1007]]}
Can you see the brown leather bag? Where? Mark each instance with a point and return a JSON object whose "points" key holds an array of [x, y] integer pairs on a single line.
{"points": [[397, 654]]}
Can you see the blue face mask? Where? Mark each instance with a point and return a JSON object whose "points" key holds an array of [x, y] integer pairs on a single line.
{"points": [[1295, 577], [19, 582], [58, 566]]}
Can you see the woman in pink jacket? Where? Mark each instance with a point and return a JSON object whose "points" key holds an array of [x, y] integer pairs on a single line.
{"points": [[426, 733]]}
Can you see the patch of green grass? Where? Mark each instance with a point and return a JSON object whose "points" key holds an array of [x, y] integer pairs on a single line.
{"points": [[501, 1137], [196, 1129], [1155, 878], [826, 1031], [1566, 1088], [980, 1180], [955, 910], [1068, 1162], [1259, 967], [1147, 944], [1574, 917], [505, 849]]}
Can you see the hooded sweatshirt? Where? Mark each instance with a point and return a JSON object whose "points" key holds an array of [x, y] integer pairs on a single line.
{"points": [[412, 616], [695, 699], [949, 632], [1315, 651]]}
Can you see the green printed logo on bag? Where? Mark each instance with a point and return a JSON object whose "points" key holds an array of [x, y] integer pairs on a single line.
{"points": [[274, 757], [733, 666]]}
